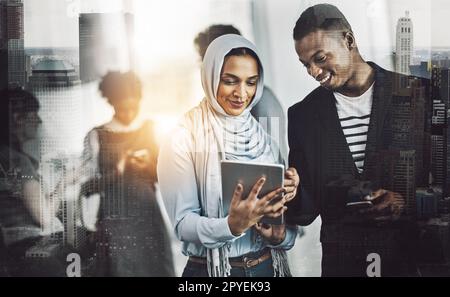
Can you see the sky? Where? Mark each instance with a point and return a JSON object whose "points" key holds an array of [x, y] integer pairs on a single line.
{"points": [[430, 20], [55, 22]]}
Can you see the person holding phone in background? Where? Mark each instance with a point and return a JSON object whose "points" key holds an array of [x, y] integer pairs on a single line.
{"points": [[222, 128], [120, 164]]}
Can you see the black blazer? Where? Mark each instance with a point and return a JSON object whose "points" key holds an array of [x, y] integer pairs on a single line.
{"points": [[318, 148], [319, 152]]}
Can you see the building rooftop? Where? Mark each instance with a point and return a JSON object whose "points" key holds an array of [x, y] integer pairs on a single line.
{"points": [[53, 65]]}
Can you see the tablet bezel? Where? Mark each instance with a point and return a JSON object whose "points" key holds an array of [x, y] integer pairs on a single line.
{"points": [[248, 173]]}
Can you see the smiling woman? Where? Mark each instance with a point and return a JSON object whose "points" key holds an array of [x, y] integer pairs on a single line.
{"points": [[238, 81], [222, 128]]}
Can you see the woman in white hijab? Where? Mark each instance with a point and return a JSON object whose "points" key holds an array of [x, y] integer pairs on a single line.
{"points": [[220, 128]]}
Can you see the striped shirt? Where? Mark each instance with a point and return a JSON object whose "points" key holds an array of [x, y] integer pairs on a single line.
{"points": [[354, 115]]}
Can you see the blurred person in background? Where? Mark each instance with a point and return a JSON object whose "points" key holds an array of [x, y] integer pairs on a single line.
{"points": [[119, 160], [28, 221]]}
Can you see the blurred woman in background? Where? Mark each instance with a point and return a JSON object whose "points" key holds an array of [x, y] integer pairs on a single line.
{"points": [[120, 160]]}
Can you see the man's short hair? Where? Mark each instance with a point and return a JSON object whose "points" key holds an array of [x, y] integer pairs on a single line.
{"points": [[320, 17], [205, 37]]}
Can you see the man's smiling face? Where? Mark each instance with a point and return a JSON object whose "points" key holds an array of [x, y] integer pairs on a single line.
{"points": [[327, 57]]}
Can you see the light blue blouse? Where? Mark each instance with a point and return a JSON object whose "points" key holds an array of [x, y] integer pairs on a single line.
{"points": [[179, 189]]}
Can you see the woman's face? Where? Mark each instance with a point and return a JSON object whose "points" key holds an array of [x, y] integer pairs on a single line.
{"points": [[126, 110], [238, 82]]}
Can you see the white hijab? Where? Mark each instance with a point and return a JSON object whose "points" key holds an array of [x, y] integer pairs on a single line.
{"points": [[243, 138], [218, 136]]}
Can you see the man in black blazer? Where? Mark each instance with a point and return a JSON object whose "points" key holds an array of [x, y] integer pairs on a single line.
{"points": [[349, 152]]}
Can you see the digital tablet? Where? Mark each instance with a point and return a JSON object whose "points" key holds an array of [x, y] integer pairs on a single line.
{"points": [[248, 173]]}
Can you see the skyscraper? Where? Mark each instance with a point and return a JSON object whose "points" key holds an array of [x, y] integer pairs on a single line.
{"points": [[57, 169], [12, 53], [408, 141], [57, 87], [437, 143], [403, 47], [446, 188], [395, 169], [427, 203], [3, 47], [408, 123], [444, 86], [440, 93], [105, 43], [421, 70], [404, 180]]}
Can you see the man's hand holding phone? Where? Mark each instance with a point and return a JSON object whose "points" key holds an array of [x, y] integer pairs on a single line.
{"points": [[380, 206], [387, 206]]}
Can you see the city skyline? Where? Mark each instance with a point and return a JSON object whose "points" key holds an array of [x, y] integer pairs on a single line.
{"points": [[429, 17], [62, 102]]}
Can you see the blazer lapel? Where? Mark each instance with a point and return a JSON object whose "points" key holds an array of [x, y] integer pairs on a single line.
{"points": [[382, 95], [339, 157], [329, 120]]}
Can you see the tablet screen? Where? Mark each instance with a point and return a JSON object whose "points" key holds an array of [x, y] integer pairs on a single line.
{"points": [[248, 173]]}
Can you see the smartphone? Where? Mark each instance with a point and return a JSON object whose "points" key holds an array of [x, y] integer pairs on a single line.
{"points": [[359, 204]]}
